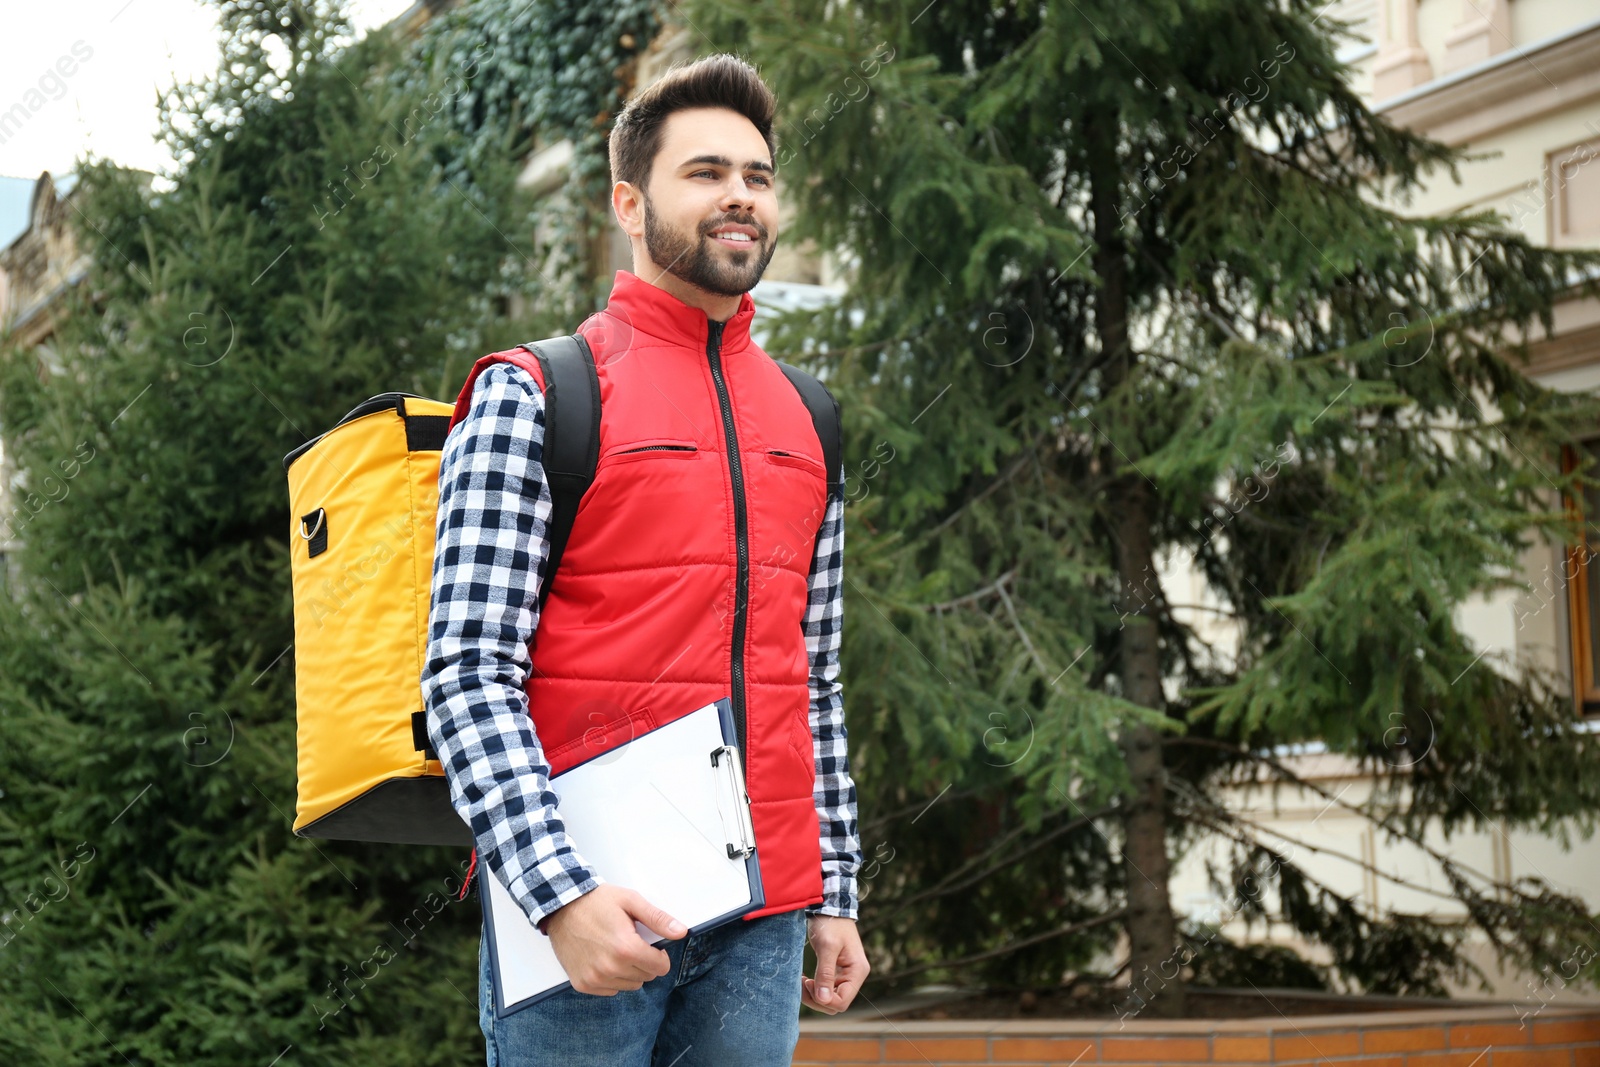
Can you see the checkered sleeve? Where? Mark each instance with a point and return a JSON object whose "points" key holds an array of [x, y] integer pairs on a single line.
{"points": [[493, 509], [835, 792]]}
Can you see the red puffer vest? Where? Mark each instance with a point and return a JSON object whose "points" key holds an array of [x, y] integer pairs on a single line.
{"points": [[684, 578]]}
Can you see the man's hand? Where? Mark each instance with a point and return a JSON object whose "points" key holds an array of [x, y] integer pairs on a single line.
{"points": [[841, 964], [595, 940]]}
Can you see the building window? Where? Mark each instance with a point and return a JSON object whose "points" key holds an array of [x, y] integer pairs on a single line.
{"points": [[1583, 583], [1575, 204]]}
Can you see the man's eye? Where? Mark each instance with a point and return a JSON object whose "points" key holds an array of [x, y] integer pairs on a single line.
{"points": [[762, 180]]}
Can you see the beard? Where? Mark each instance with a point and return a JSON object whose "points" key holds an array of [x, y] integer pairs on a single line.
{"points": [[701, 263]]}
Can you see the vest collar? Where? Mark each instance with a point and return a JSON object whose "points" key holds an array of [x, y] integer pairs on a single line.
{"points": [[652, 310]]}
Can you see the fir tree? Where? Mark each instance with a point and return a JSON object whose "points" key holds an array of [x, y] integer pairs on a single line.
{"points": [[154, 905], [1128, 283]]}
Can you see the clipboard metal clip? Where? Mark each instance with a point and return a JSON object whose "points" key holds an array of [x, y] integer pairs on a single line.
{"points": [[733, 776]]}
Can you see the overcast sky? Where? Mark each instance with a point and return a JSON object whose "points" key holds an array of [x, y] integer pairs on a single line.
{"points": [[135, 49]]}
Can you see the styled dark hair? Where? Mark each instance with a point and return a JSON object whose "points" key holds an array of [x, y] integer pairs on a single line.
{"points": [[715, 81]]}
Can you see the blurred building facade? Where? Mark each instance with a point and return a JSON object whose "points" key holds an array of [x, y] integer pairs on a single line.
{"points": [[1520, 81], [40, 262]]}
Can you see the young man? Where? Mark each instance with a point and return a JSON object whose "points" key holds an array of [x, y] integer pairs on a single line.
{"points": [[705, 562]]}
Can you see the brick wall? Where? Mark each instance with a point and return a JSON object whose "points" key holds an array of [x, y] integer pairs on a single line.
{"points": [[1496, 1035]]}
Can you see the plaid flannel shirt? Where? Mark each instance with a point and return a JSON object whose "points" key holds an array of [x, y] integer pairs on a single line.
{"points": [[494, 505]]}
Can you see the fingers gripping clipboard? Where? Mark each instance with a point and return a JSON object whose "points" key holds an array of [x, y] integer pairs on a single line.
{"points": [[665, 814]]}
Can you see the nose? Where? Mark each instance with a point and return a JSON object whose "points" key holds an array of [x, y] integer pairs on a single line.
{"points": [[737, 197]]}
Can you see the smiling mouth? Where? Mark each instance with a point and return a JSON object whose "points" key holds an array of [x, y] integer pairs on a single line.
{"points": [[736, 240]]}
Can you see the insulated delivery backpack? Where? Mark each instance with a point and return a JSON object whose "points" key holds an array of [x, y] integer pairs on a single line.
{"points": [[363, 502]]}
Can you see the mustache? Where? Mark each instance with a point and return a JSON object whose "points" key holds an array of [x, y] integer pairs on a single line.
{"points": [[761, 231]]}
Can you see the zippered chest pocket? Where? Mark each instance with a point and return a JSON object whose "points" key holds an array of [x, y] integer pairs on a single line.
{"points": [[651, 449], [793, 459]]}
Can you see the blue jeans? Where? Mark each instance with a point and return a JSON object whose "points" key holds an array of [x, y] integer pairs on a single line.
{"points": [[731, 999]]}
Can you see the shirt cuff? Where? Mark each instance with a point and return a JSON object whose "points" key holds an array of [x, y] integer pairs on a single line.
{"points": [[584, 880], [838, 895]]}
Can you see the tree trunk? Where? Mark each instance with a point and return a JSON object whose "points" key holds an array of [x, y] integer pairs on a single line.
{"points": [[1157, 987], [1155, 965]]}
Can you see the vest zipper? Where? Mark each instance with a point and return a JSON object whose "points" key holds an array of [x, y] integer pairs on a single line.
{"points": [[741, 534]]}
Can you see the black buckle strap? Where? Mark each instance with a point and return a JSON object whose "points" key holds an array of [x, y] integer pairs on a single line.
{"points": [[419, 734]]}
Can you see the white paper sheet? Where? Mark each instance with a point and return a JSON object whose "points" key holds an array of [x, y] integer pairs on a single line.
{"points": [[645, 816]]}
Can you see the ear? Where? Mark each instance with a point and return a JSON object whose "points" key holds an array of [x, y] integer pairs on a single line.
{"points": [[628, 205]]}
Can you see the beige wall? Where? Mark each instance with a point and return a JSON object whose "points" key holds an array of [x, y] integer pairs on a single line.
{"points": [[1419, 41]]}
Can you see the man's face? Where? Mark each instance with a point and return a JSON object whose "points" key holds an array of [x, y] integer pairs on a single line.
{"points": [[710, 205]]}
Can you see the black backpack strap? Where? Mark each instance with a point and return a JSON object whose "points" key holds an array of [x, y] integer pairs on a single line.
{"points": [[825, 417], [571, 437]]}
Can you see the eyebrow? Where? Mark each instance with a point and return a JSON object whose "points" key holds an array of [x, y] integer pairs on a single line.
{"points": [[724, 161]]}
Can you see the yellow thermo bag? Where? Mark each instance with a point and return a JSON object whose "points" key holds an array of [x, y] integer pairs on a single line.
{"points": [[363, 499]]}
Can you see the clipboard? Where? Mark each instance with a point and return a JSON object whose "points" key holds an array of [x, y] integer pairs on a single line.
{"points": [[665, 814]]}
